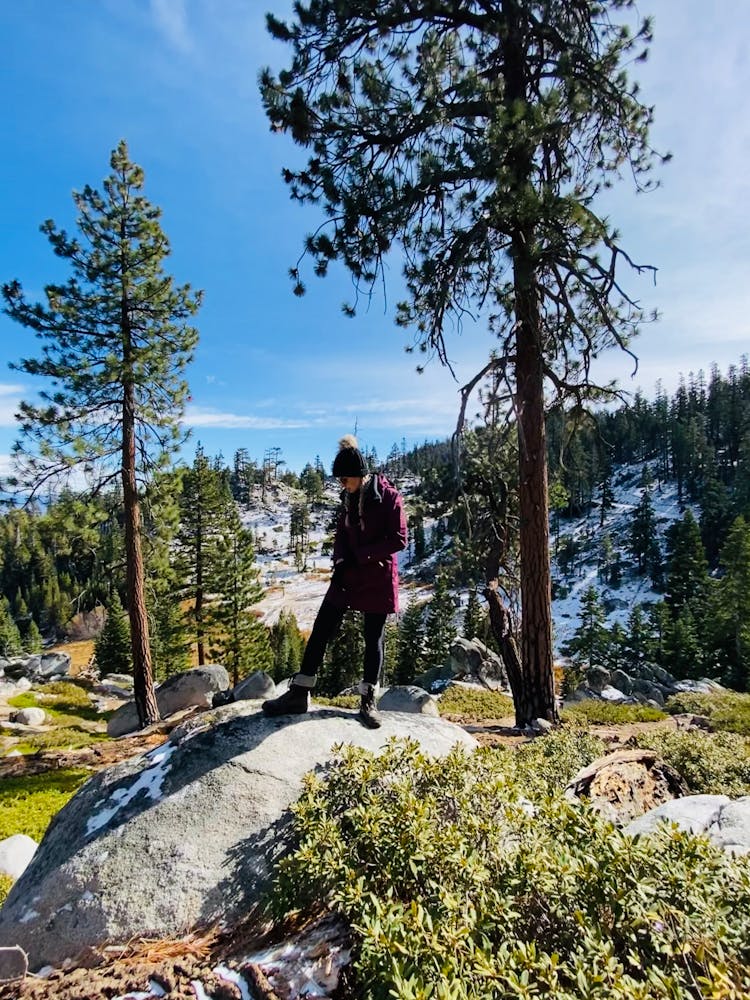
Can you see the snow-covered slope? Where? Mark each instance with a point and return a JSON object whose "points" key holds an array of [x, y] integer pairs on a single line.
{"points": [[588, 532]]}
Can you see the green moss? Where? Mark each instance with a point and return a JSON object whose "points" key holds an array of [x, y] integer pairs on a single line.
{"points": [[64, 702], [728, 711], [475, 704], [594, 712], [28, 803]]}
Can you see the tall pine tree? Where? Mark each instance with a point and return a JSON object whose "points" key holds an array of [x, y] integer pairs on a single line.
{"points": [[476, 136], [116, 342]]}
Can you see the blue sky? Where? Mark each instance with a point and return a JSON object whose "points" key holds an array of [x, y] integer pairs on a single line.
{"points": [[177, 80]]}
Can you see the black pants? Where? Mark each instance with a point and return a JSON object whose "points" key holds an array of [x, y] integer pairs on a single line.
{"points": [[327, 624]]}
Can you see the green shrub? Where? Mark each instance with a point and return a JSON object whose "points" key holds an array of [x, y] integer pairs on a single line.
{"points": [[546, 764], [594, 712], [710, 763], [455, 892], [6, 883], [28, 803], [474, 704], [727, 710]]}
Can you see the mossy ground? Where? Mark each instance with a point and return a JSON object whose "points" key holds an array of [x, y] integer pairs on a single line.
{"points": [[28, 802]]}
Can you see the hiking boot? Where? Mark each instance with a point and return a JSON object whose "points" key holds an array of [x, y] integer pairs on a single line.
{"points": [[294, 701], [368, 712]]}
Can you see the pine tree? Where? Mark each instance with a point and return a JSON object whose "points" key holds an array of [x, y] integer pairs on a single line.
{"points": [[440, 627], [410, 655], [476, 622], [287, 645], [342, 666], [687, 569], [731, 614], [10, 639], [170, 644], [644, 543], [239, 640], [204, 509], [683, 654], [590, 642], [117, 340], [466, 133], [112, 648]]}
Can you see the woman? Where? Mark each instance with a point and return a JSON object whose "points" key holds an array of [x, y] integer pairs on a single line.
{"points": [[371, 529]]}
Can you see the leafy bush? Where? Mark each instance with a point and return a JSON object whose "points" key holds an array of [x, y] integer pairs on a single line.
{"points": [[455, 891], [6, 883], [594, 712], [727, 710], [28, 803], [545, 765], [475, 705], [710, 763]]}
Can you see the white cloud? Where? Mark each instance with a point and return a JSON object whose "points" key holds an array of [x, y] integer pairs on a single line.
{"points": [[203, 416], [10, 397], [171, 19]]}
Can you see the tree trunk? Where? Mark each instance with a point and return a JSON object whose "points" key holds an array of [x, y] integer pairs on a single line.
{"points": [[537, 697], [500, 623], [143, 680]]}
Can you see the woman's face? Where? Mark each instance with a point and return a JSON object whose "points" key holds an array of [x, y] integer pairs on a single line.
{"points": [[350, 483]]}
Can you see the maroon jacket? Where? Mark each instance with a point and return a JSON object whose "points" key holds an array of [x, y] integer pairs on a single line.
{"points": [[371, 584]]}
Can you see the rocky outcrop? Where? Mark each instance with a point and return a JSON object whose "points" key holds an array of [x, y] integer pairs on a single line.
{"points": [[186, 834], [36, 666], [191, 688], [470, 660], [647, 683]]}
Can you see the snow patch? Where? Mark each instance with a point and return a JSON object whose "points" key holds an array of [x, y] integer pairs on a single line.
{"points": [[149, 781]]}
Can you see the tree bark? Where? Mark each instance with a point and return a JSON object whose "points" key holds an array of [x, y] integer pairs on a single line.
{"points": [[537, 697], [143, 679]]}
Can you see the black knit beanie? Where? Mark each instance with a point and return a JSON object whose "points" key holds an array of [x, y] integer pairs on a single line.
{"points": [[349, 461]]}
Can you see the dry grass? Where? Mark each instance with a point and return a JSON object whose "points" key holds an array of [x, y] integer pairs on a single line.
{"points": [[79, 652]]}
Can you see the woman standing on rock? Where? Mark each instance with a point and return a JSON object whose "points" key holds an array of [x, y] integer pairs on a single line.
{"points": [[371, 529]]}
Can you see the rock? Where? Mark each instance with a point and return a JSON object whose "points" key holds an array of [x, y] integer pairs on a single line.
{"points": [[119, 680], [258, 685], [694, 813], [621, 681], [597, 678], [731, 829], [471, 657], [186, 834], [13, 964], [54, 665], [37, 666], [29, 716], [688, 721], [15, 854], [190, 688], [112, 691], [626, 784], [408, 698], [609, 693], [430, 677]]}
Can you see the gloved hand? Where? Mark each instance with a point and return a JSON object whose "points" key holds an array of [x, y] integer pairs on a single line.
{"points": [[340, 569]]}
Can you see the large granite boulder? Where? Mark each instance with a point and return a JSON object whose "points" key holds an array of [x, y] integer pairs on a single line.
{"points": [[725, 821], [191, 688], [186, 834], [408, 698]]}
